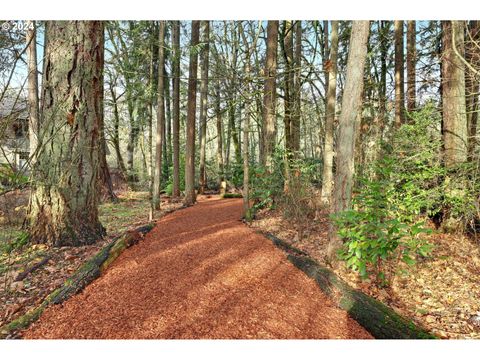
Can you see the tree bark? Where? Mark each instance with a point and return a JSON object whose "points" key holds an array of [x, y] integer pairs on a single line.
{"points": [[269, 94], [204, 106], [33, 107], [160, 133], [327, 174], [65, 195], [116, 135], [411, 63], [190, 195], [399, 75], [104, 172], [382, 91], [219, 123], [453, 91], [168, 124], [351, 103], [297, 93], [472, 83], [288, 84], [176, 108], [247, 212]]}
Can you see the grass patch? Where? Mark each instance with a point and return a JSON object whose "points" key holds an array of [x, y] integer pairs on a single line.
{"points": [[232, 196], [132, 207]]}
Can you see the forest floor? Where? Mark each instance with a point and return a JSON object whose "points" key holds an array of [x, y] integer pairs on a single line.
{"points": [[200, 273], [440, 293], [18, 297]]}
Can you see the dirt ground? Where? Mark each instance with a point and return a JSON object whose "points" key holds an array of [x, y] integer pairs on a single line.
{"points": [[440, 293], [201, 273]]}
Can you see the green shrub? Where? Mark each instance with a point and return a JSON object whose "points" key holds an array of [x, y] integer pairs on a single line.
{"points": [[417, 172], [372, 232], [388, 213], [267, 184]]}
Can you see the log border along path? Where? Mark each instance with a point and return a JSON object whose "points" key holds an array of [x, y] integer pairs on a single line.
{"points": [[199, 274]]}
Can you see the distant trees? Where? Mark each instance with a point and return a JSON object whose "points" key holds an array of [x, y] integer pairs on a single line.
{"points": [[65, 195], [351, 102], [259, 105]]}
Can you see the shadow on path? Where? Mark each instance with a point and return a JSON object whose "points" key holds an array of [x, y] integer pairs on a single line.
{"points": [[201, 273]]}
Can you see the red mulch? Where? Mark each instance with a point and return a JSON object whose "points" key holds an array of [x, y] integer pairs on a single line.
{"points": [[201, 273]]}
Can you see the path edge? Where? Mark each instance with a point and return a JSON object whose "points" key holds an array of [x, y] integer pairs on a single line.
{"points": [[83, 276], [381, 321]]}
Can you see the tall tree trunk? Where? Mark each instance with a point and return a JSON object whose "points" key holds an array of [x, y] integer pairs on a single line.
{"points": [[104, 172], [168, 126], [269, 94], [233, 107], [411, 63], [218, 115], [288, 84], [233, 132], [176, 108], [116, 134], [65, 195], [246, 125], [190, 195], [33, 107], [327, 174], [351, 104], [151, 77], [246, 131], [297, 109], [472, 83], [453, 89], [160, 136], [134, 130], [399, 75], [203, 105], [382, 91]]}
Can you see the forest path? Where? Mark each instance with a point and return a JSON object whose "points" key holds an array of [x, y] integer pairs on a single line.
{"points": [[200, 273]]}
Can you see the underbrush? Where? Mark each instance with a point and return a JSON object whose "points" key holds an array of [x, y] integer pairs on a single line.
{"points": [[407, 189]]}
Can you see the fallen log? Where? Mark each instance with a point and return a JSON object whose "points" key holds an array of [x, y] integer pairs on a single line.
{"points": [[32, 268], [232, 196], [377, 318], [88, 272], [283, 244]]}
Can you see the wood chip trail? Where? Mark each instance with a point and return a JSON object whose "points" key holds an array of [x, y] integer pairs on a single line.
{"points": [[199, 274]]}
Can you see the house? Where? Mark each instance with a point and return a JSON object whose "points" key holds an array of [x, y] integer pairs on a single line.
{"points": [[14, 142]]}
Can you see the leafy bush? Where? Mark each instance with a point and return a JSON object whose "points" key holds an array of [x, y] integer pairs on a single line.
{"points": [[372, 232], [461, 202], [266, 184], [417, 172], [387, 217]]}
